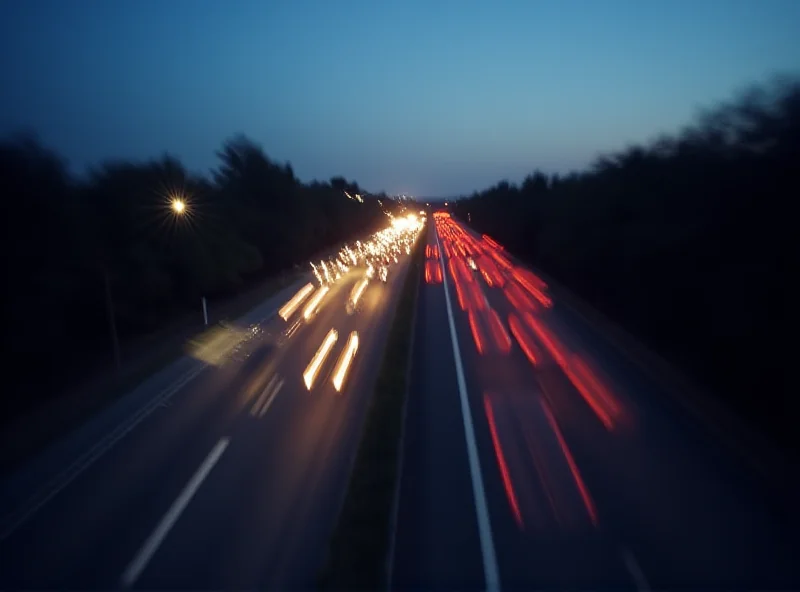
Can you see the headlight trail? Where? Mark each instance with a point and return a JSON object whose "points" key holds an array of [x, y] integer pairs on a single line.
{"points": [[312, 370], [345, 360], [313, 304], [358, 290], [288, 309], [381, 249]]}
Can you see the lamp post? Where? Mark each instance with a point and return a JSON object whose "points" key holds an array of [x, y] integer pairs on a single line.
{"points": [[178, 207]]}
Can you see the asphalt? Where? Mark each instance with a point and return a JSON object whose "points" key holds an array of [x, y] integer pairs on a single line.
{"points": [[617, 488], [221, 475]]}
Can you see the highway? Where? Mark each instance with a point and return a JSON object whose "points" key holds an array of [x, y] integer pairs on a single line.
{"points": [[538, 456], [225, 470]]}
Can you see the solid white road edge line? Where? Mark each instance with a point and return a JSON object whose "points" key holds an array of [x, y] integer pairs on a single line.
{"points": [[490, 571], [142, 558]]}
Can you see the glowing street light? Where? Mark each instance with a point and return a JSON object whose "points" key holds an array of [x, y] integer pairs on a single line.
{"points": [[178, 205]]}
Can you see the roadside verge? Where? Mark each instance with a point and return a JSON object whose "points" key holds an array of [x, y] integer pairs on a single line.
{"points": [[760, 455], [30, 433]]}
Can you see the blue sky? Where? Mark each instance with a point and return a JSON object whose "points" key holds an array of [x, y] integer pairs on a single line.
{"points": [[426, 97]]}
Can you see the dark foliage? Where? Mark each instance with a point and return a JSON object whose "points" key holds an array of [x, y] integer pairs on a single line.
{"points": [[688, 242], [64, 237]]}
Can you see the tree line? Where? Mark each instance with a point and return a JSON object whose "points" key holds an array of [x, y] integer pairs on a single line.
{"points": [[688, 241], [70, 241]]}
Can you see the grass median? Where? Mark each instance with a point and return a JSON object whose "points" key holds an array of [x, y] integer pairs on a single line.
{"points": [[360, 543]]}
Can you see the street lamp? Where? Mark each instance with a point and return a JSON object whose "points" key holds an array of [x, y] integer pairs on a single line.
{"points": [[178, 205]]}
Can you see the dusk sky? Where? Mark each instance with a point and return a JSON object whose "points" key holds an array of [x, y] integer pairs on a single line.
{"points": [[427, 97]]}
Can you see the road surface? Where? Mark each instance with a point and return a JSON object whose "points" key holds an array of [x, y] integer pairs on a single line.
{"points": [[536, 456], [226, 473]]}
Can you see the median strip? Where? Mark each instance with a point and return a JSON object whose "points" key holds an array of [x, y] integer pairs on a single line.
{"points": [[360, 542]]}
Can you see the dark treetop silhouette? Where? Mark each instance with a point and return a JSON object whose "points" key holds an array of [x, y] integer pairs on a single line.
{"points": [[686, 242]]}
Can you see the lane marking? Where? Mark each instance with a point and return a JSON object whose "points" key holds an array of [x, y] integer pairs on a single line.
{"points": [[490, 571], [142, 558], [263, 396], [271, 398], [85, 460], [635, 571], [13, 520]]}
